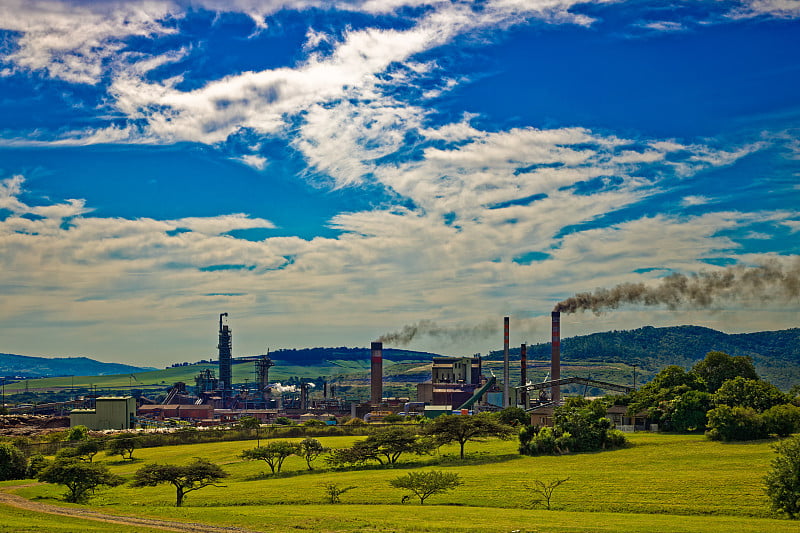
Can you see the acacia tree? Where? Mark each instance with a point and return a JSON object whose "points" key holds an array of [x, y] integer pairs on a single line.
{"points": [[464, 428], [122, 446], [85, 450], [274, 454], [388, 445], [310, 449], [80, 478], [783, 480], [194, 476], [544, 489], [425, 484]]}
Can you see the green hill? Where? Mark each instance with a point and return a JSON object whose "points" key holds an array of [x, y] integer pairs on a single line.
{"points": [[28, 366], [776, 354]]}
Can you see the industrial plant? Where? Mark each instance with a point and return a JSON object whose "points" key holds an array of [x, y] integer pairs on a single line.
{"points": [[457, 385]]}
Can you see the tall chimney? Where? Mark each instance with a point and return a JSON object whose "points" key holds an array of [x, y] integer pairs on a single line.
{"points": [[555, 357], [376, 375], [523, 374], [506, 375]]}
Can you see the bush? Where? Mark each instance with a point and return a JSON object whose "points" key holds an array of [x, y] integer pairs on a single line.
{"points": [[578, 426], [783, 479], [514, 416], [735, 423], [782, 420], [754, 393], [426, 484], [13, 463], [36, 464], [76, 433]]}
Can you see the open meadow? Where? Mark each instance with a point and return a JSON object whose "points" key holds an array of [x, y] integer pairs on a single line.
{"points": [[660, 483]]}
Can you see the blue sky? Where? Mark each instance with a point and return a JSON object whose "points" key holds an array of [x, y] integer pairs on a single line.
{"points": [[327, 172]]}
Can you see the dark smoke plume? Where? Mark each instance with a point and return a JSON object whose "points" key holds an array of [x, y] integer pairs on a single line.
{"points": [[431, 329], [769, 281]]}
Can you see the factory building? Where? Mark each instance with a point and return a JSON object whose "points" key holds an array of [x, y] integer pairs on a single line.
{"points": [[454, 381], [109, 413]]}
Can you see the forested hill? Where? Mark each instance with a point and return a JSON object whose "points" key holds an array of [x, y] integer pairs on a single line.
{"points": [[776, 354], [316, 356], [28, 366]]}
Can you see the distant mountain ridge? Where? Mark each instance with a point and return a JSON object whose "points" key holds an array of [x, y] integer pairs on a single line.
{"points": [[41, 367], [776, 354], [315, 356]]}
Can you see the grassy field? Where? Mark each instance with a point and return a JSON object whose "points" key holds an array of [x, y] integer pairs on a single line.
{"points": [[661, 483]]}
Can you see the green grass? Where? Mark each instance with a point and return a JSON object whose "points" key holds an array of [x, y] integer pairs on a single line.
{"points": [[661, 483]]}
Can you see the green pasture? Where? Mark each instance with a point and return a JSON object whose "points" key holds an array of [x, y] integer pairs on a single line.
{"points": [[660, 483]]}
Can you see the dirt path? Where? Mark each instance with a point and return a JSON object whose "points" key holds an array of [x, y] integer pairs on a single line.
{"points": [[87, 514]]}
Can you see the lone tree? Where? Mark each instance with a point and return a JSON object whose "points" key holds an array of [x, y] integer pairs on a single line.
{"points": [[85, 450], [251, 423], [122, 446], [783, 480], [310, 449], [425, 484], [464, 428], [194, 476], [274, 454], [80, 478], [334, 492], [545, 490]]}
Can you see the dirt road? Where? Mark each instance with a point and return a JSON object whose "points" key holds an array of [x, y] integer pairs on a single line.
{"points": [[87, 514]]}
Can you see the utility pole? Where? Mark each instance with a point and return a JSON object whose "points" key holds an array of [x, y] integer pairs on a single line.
{"points": [[634, 376]]}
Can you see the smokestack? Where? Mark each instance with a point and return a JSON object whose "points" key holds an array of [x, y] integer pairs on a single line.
{"points": [[523, 374], [506, 375], [376, 375], [555, 357]]}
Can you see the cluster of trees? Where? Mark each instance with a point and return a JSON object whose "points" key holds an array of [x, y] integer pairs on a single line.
{"points": [[579, 425], [722, 395], [80, 448], [387, 445], [276, 452]]}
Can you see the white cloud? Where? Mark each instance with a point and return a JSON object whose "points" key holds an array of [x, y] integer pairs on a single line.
{"points": [[255, 161], [74, 41], [694, 200], [663, 26], [773, 8]]}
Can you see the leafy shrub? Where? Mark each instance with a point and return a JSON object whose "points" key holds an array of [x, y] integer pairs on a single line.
{"points": [[578, 426], [76, 433], [727, 423], [13, 463], [783, 479], [36, 464], [782, 420], [426, 484]]}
